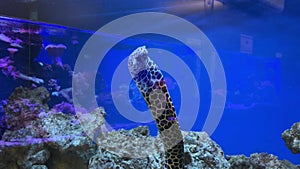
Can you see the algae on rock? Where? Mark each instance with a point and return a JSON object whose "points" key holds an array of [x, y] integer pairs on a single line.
{"points": [[291, 138]]}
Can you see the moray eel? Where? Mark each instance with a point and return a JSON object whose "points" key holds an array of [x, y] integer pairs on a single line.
{"points": [[151, 84]]}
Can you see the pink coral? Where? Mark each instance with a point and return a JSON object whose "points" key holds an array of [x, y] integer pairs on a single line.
{"points": [[7, 68]]}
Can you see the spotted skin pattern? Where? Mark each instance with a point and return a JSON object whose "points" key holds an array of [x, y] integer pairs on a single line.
{"points": [[151, 84]]}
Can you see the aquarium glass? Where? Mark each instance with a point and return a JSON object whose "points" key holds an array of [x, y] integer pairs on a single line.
{"points": [[231, 69]]}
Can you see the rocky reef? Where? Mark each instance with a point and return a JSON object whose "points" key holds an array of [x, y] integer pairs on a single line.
{"points": [[52, 139], [61, 146], [259, 161], [291, 138], [22, 109], [147, 151], [64, 144]]}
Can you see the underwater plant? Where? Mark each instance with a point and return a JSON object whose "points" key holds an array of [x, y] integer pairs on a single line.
{"points": [[151, 84], [23, 45]]}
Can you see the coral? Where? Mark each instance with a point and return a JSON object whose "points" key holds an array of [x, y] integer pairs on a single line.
{"points": [[7, 68], [93, 123], [32, 130], [53, 85], [38, 95], [14, 155], [291, 138], [68, 145], [65, 107], [259, 161], [80, 79], [136, 149], [264, 160], [24, 106], [130, 143], [64, 144], [23, 43], [39, 167], [55, 50], [239, 162], [204, 152], [106, 159]]}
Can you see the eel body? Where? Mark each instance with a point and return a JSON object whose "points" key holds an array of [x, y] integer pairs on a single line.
{"points": [[151, 84]]}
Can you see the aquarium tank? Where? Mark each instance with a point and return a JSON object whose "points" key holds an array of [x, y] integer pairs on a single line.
{"points": [[169, 84]]}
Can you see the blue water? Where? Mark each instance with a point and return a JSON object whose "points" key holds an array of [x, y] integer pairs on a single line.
{"points": [[254, 115], [262, 86], [262, 89]]}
